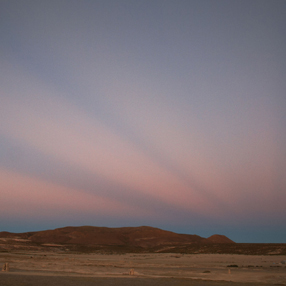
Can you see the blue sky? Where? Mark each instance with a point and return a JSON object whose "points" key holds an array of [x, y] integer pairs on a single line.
{"points": [[163, 113]]}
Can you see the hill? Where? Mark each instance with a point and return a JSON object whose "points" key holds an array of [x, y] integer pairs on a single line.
{"points": [[90, 238], [144, 236], [129, 239]]}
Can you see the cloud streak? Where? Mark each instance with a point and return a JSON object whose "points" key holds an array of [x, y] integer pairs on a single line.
{"points": [[57, 129]]}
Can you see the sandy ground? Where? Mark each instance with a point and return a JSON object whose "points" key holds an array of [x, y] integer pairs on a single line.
{"points": [[145, 269]]}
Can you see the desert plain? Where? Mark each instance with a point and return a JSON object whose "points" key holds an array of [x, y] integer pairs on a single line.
{"points": [[61, 268]]}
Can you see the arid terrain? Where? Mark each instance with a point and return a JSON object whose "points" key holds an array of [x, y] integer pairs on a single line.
{"points": [[135, 256], [257, 269]]}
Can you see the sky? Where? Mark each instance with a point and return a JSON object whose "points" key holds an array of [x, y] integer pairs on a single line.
{"points": [[170, 114]]}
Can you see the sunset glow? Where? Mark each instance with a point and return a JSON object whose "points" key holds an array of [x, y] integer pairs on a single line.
{"points": [[162, 113]]}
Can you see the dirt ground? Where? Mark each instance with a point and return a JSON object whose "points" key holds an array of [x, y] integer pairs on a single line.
{"points": [[48, 268]]}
